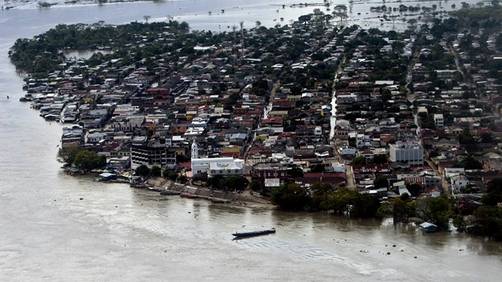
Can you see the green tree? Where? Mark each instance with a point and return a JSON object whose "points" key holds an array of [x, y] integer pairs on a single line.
{"points": [[470, 162], [88, 160], [320, 194], [415, 189], [402, 209], [494, 192], [359, 161], [365, 206], [143, 171], [184, 27], [236, 182], [352, 203], [290, 196], [256, 185], [295, 172], [488, 222], [435, 210], [170, 174], [317, 168], [68, 154], [381, 182], [385, 210], [156, 171]]}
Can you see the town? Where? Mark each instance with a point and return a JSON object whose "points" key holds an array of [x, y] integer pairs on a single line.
{"points": [[313, 115]]}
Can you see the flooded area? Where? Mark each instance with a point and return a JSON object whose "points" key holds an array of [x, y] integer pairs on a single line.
{"points": [[55, 227]]}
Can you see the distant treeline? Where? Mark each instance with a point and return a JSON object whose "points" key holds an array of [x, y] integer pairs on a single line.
{"points": [[43, 53]]}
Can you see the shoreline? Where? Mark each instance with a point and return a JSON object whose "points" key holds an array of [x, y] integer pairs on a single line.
{"points": [[66, 4], [166, 187], [170, 188]]}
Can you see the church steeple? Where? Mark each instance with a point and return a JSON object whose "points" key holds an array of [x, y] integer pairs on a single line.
{"points": [[195, 150]]}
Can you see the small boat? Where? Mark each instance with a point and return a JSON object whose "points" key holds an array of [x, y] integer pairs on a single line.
{"points": [[428, 227], [239, 235]]}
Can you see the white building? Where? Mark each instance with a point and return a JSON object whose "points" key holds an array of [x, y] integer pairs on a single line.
{"points": [[215, 166], [347, 151], [410, 153], [218, 166], [438, 120]]}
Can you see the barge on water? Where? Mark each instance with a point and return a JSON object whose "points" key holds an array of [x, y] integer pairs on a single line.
{"points": [[240, 235]]}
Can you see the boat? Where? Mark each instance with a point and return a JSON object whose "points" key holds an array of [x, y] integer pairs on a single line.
{"points": [[428, 227], [239, 235], [25, 99]]}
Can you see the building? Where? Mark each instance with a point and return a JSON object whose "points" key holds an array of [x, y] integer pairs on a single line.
{"points": [[152, 152], [458, 183], [218, 166], [409, 153], [438, 120], [271, 171], [215, 166]]}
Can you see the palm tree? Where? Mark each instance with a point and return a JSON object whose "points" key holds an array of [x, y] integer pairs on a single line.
{"points": [[146, 18]]}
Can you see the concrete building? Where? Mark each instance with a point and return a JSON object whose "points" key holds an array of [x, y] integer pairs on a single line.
{"points": [[410, 153], [215, 166], [438, 120], [218, 166], [151, 152]]}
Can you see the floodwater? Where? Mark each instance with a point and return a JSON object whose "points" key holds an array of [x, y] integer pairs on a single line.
{"points": [[58, 228]]}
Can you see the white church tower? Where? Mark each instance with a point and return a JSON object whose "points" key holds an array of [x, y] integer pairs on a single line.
{"points": [[195, 150]]}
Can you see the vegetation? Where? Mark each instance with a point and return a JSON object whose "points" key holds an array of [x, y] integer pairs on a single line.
{"points": [[435, 210], [291, 196], [228, 183], [486, 17], [170, 174], [142, 171], [43, 54], [82, 159], [156, 171], [323, 196], [403, 208]]}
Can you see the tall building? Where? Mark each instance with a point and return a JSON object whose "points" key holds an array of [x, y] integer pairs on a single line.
{"points": [[409, 153], [151, 152]]}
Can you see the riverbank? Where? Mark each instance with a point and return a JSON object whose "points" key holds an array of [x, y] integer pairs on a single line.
{"points": [[169, 188]]}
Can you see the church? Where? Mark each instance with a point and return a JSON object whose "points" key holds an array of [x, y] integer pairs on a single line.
{"points": [[215, 166]]}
